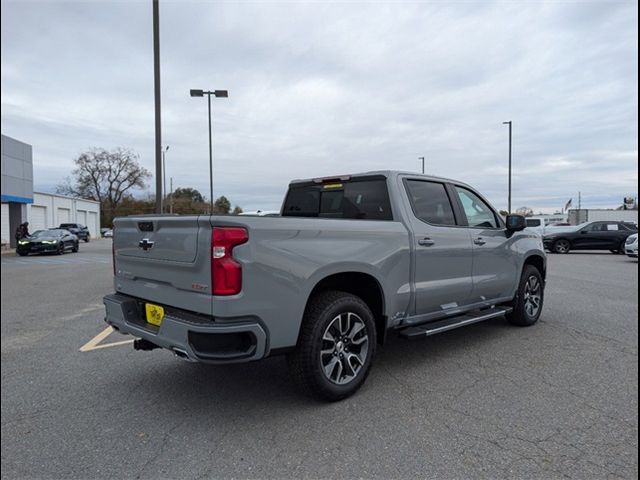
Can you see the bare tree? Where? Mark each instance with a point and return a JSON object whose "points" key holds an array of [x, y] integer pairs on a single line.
{"points": [[105, 176], [525, 211]]}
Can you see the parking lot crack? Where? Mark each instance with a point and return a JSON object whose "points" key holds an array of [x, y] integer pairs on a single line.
{"points": [[160, 450]]}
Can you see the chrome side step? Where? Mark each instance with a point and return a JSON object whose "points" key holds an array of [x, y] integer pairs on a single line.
{"points": [[432, 328]]}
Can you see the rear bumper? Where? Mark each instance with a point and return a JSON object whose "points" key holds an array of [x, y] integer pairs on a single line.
{"points": [[209, 342]]}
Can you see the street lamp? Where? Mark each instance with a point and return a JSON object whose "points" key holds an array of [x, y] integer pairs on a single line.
{"points": [[164, 176], [422, 158], [509, 123], [219, 94]]}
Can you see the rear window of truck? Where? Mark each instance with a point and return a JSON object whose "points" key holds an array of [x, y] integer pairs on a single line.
{"points": [[360, 199]]}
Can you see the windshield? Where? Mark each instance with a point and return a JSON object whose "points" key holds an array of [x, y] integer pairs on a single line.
{"points": [[47, 233], [56, 232]]}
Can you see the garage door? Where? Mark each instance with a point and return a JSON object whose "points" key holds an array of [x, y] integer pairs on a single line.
{"points": [[4, 224], [37, 218], [64, 215], [81, 217], [92, 223]]}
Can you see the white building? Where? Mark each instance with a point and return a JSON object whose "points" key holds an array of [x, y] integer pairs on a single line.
{"points": [[602, 215], [49, 210]]}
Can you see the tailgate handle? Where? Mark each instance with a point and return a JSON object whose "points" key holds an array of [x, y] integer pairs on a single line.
{"points": [[145, 226]]}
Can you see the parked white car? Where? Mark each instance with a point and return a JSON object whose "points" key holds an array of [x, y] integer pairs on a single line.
{"points": [[631, 246], [540, 224]]}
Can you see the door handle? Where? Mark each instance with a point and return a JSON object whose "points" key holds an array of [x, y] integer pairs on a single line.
{"points": [[426, 242], [479, 241]]}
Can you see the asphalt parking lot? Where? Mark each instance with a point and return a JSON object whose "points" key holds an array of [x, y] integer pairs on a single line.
{"points": [[557, 400]]}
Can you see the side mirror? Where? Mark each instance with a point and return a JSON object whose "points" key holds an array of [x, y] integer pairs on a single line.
{"points": [[516, 223], [583, 232]]}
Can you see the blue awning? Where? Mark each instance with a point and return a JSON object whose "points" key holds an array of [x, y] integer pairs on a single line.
{"points": [[16, 199]]}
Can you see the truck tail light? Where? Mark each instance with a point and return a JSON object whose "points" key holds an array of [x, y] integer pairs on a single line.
{"points": [[226, 273]]}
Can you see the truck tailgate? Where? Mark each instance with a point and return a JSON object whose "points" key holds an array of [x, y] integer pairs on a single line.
{"points": [[164, 259]]}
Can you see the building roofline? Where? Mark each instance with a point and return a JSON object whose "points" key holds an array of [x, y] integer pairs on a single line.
{"points": [[67, 197]]}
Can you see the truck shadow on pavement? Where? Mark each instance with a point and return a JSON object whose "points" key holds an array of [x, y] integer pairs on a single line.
{"points": [[243, 387]]}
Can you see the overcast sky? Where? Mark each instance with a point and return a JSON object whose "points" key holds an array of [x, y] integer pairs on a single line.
{"points": [[324, 88]]}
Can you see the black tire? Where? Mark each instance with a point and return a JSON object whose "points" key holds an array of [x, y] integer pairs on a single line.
{"points": [[22, 254], [308, 364], [86, 239], [561, 246], [622, 248], [75, 247], [60, 250], [522, 315]]}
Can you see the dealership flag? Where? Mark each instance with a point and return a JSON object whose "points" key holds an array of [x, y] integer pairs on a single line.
{"points": [[566, 207]]}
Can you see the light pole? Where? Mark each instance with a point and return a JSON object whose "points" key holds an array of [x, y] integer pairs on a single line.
{"points": [[164, 176], [171, 196], [422, 158], [215, 93], [156, 98], [509, 123]]}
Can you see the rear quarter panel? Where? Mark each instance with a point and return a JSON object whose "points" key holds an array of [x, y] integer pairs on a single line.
{"points": [[286, 257]]}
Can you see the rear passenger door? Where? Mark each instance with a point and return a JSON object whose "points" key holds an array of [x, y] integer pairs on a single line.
{"points": [[495, 268], [442, 250], [595, 236]]}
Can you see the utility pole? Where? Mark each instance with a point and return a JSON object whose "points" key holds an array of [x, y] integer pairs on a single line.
{"points": [[579, 200], [422, 158], [510, 124], [156, 85]]}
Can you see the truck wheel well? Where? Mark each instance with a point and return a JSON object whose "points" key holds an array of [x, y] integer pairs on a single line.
{"points": [[363, 286], [538, 262]]}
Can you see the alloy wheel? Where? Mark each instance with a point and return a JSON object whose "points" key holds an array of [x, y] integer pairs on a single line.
{"points": [[561, 246], [345, 345], [532, 296]]}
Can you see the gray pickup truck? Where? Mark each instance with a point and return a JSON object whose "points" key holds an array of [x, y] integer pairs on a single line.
{"points": [[350, 259]]}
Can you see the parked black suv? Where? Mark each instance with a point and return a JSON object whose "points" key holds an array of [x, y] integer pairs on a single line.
{"points": [[79, 230], [590, 236]]}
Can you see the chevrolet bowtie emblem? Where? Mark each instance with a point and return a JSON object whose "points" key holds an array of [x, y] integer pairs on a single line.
{"points": [[146, 244]]}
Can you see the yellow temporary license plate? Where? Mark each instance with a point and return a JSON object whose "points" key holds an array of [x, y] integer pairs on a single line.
{"points": [[155, 314]]}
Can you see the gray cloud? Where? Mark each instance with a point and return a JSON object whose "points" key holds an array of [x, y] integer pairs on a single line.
{"points": [[324, 88]]}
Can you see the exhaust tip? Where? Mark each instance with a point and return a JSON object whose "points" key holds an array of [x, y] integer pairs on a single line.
{"points": [[179, 352]]}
